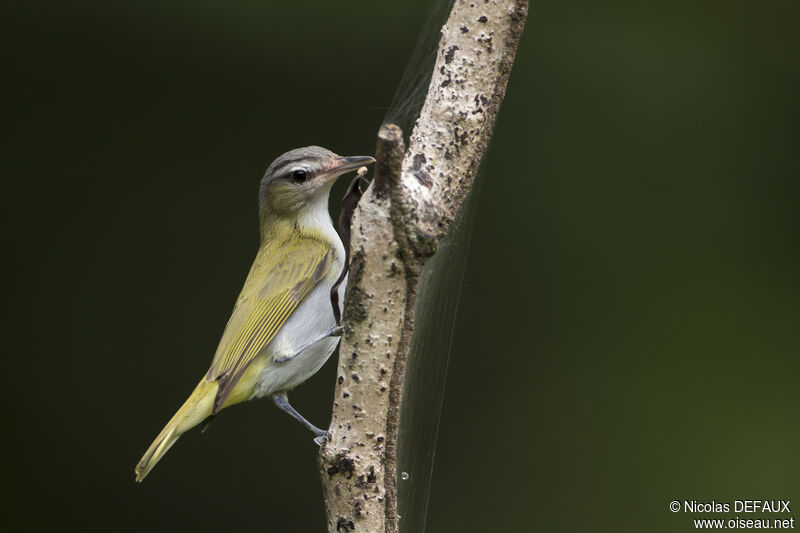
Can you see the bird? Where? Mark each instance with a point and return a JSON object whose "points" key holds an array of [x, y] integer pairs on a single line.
{"points": [[282, 328]]}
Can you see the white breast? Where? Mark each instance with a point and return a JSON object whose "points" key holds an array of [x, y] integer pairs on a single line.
{"points": [[311, 319]]}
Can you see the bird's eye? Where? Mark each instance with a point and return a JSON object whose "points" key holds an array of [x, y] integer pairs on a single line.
{"points": [[299, 176]]}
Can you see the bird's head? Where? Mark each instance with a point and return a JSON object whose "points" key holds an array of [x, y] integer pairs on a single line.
{"points": [[301, 179]]}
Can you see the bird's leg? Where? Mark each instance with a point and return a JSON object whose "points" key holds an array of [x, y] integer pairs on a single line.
{"points": [[282, 402], [335, 331]]}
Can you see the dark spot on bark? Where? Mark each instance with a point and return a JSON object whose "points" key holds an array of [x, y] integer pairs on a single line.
{"points": [[383, 388], [356, 266], [441, 70], [341, 380], [343, 524], [447, 154], [460, 138], [419, 160], [384, 371], [341, 464], [354, 355], [464, 29], [356, 311], [445, 83], [345, 395], [450, 54], [356, 378], [371, 474], [423, 243], [424, 178], [379, 439], [483, 19]]}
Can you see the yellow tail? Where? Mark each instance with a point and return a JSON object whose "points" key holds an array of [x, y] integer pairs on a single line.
{"points": [[196, 409]]}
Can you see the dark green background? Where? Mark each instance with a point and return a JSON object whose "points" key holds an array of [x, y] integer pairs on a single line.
{"points": [[628, 333]]}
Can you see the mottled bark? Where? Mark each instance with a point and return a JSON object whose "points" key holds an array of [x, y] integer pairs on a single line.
{"points": [[396, 228]]}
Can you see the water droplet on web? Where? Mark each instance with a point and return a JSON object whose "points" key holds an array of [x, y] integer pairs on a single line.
{"points": [[404, 476]]}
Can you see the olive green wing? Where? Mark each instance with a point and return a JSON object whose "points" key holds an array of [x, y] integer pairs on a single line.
{"points": [[275, 287]]}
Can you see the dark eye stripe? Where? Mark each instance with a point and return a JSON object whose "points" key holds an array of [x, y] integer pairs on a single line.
{"points": [[284, 165]]}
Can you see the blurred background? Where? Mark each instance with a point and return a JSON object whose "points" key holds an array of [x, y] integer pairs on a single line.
{"points": [[628, 330]]}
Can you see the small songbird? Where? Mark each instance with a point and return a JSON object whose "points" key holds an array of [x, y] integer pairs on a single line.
{"points": [[282, 329]]}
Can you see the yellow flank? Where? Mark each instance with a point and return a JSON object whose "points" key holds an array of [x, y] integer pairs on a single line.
{"points": [[289, 263]]}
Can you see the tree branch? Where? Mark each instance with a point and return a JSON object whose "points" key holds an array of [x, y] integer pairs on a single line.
{"points": [[396, 228]]}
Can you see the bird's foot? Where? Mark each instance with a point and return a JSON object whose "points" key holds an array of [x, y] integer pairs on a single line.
{"points": [[321, 435]]}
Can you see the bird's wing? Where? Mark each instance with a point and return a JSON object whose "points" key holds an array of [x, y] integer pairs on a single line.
{"points": [[275, 287]]}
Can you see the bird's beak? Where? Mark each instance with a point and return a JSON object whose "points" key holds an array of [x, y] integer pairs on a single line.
{"points": [[346, 164]]}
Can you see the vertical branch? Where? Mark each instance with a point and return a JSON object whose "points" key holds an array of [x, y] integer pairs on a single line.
{"points": [[355, 473], [396, 228]]}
